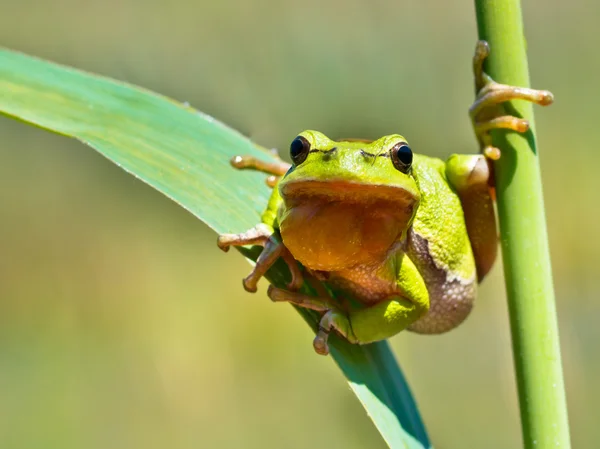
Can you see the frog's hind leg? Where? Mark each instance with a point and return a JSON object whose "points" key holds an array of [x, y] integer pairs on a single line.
{"points": [[275, 169], [365, 324], [487, 113], [359, 326], [274, 248]]}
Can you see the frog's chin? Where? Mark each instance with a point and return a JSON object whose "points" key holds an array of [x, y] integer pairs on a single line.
{"points": [[347, 191], [342, 225]]}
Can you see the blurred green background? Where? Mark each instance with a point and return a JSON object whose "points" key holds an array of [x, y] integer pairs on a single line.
{"points": [[121, 323]]}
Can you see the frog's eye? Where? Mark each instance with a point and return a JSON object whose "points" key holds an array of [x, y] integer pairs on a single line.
{"points": [[402, 157], [299, 149]]}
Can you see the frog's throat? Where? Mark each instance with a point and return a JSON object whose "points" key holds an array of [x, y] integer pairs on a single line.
{"points": [[342, 225]]}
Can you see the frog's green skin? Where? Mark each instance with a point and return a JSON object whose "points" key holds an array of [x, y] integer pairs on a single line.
{"points": [[395, 243], [402, 245]]}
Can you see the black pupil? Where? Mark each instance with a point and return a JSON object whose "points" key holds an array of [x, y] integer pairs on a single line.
{"points": [[405, 154], [296, 147]]}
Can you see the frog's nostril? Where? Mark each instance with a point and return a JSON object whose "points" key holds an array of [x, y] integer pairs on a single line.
{"points": [[328, 154]]}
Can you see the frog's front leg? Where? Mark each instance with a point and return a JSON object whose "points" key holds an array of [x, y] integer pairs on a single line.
{"points": [[274, 248], [486, 112], [471, 175], [366, 324]]}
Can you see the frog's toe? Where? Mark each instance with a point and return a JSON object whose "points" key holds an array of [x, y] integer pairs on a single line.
{"points": [[482, 131], [250, 283], [297, 279], [332, 320], [494, 94], [276, 168], [502, 122], [272, 180], [320, 342], [223, 242]]}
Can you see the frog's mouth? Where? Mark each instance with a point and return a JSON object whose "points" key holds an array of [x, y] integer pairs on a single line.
{"points": [[347, 191], [334, 225]]}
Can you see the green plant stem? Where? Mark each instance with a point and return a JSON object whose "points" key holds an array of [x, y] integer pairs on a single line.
{"points": [[524, 241]]}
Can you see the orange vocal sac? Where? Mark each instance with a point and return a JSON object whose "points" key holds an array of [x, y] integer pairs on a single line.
{"points": [[328, 233]]}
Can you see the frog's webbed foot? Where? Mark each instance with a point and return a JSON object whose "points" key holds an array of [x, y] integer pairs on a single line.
{"points": [[274, 169], [487, 113], [274, 248], [333, 319]]}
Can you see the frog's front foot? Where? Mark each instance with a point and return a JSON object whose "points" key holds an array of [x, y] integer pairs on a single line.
{"points": [[333, 318], [274, 248], [487, 112]]}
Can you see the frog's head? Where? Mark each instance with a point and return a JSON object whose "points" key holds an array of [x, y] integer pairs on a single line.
{"points": [[346, 202]]}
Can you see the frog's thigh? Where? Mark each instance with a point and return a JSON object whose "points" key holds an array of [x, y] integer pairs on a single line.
{"points": [[470, 176], [386, 318]]}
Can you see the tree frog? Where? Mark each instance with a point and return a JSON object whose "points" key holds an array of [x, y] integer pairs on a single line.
{"points": [[403, 238]]}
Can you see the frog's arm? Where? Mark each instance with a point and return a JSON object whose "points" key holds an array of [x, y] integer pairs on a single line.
{"points": [[470, 176], [367, 324]]}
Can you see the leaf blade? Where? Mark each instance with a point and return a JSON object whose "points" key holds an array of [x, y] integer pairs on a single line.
{"points": [[185, 155]]}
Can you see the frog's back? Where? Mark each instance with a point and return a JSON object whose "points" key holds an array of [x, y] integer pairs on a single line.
{"points": [[439, 246]]}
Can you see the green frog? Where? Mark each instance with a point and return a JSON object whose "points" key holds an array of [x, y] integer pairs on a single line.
{"points": [[402, 237]]}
